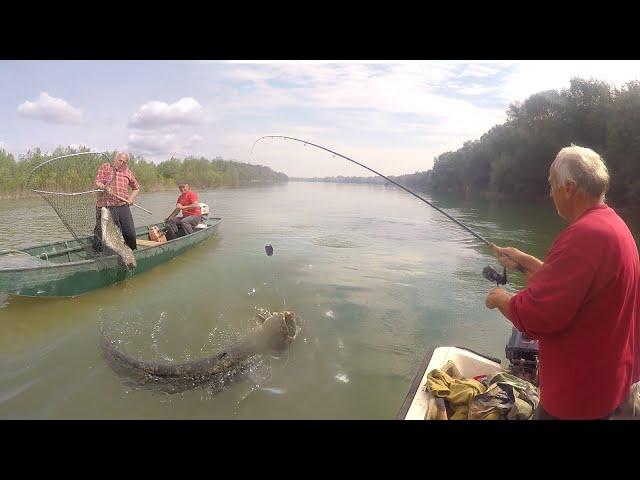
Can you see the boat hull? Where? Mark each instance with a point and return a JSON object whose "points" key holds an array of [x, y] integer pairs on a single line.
{"points": [[45, 278]]}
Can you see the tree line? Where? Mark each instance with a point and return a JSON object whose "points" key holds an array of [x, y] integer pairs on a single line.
{"points": [[199, 172], [513, 159]]}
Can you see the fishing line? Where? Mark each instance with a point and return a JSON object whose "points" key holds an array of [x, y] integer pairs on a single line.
{"points": [[479, 237], [489, 273], [269, 251]]}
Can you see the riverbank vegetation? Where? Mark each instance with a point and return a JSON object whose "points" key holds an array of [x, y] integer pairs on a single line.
{"points": [[513, 159], [200, 172]]}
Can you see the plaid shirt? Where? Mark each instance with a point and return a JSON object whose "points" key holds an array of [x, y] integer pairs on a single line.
{"points": [[124, 179]]}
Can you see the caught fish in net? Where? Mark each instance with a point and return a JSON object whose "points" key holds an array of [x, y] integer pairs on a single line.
{"points": [[111, 238], [68, 184]]}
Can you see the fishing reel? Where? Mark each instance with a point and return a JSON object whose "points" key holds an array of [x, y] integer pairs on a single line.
{"points": [[490, 274]]}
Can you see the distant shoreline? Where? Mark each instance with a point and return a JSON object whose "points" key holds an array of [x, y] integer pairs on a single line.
{"points": [[625, 209]]}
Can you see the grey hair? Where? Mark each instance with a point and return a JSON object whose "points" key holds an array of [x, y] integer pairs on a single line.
{"points": [[584, 167], [121, 153]]}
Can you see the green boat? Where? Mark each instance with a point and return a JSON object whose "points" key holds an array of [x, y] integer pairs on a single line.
{"points": [[65, 269]]}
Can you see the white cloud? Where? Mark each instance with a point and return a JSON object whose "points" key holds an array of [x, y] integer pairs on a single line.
{"points": [[478, 69], [161, 146], [51, 110], [536, 75], [77, 146], [155, 114], [397, 88], [153, 144], [193, 140], [477, 90]]}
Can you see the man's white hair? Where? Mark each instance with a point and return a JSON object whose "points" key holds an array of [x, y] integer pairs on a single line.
{"points": [[584, 167], [121, 153]]}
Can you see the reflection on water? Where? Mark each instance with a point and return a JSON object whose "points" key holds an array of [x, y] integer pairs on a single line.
{"points": [[378, 278]]}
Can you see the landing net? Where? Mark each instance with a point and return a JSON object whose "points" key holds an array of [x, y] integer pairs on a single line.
{"points": [[67, 183]]}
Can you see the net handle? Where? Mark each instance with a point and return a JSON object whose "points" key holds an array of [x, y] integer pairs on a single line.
{"points": [[125, 200], [66, 194]]}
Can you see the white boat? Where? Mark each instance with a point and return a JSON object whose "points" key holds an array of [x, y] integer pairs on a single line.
{"points": [[420, 404]]}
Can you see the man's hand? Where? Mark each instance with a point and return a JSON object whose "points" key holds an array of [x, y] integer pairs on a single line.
{"points": [[508, 257], [495, 297], [179, 206]]}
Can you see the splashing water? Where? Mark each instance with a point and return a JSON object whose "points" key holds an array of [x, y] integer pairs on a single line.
{"points": [[274, 390]]}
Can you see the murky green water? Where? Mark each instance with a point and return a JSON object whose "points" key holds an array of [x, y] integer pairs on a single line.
{"points": [[378, 278]]}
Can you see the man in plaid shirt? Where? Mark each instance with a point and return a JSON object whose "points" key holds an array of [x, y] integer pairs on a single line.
{"points": [[115, 179]]}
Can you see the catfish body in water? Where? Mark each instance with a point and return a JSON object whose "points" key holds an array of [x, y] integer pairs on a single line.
{"points": [[273, 335]]}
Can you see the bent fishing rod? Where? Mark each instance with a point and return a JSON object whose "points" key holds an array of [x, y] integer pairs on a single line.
{"points": [[488, 272]]}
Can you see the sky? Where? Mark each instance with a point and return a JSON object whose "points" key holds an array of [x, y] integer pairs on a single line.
{"points": [[393, 116]]}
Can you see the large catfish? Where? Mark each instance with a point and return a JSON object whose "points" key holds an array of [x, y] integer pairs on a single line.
{"points": [[274, 334], [112, 239]]}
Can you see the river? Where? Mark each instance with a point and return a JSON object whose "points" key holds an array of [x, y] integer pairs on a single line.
{"points": [[378, 278]]}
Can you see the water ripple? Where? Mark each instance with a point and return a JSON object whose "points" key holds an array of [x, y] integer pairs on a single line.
{"points": [[335, 241]]}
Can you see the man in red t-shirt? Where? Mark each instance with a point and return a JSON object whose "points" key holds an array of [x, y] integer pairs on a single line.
{"points": [[190, 208], [583, 302]]}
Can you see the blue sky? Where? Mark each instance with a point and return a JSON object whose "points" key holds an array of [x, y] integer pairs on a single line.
{"points": [[393, 116]]}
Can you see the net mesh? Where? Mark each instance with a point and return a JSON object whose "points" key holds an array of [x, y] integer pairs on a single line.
{"points": [[67, 183]]}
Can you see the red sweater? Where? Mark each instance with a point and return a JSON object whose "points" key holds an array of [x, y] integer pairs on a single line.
{"points": [[583, 306]]}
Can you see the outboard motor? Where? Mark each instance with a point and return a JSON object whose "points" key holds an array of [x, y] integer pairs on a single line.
{"points": [[204, 215], [522, 353], [204, 211]]}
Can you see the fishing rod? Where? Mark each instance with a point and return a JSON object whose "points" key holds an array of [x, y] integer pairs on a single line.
{"points": [[489, 273]]}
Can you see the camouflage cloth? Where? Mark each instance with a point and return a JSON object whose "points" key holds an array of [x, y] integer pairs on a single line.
{"points": [[457, 392], [507, 398]]}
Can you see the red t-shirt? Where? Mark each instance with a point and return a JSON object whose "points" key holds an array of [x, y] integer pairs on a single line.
{"points": [[187, 198], [583, 306]]}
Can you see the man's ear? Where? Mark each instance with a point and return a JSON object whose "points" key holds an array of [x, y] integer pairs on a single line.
{"points": [[570, 188]]}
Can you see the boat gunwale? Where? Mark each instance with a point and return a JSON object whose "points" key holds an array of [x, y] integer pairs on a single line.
{"points": [[93, 260], [417, 380]]}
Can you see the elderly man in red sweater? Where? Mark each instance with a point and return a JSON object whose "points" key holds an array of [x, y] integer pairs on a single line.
{"points": [[583, 302]]}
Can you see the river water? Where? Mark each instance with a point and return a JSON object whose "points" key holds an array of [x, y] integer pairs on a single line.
{"points": [[378, 278]]}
